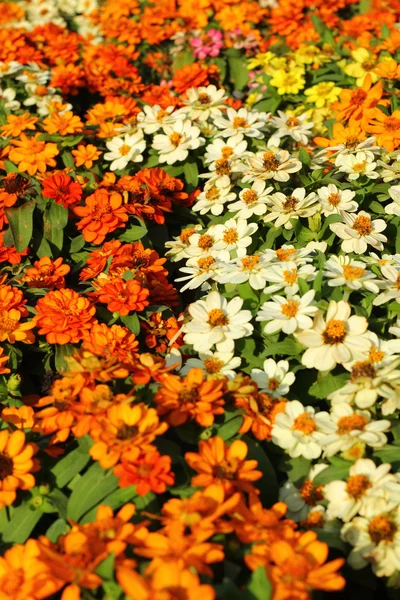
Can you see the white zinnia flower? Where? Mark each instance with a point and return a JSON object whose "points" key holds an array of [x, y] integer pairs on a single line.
{"points": [[289, 125], [154, 118], [177, 140], [334, 200], [214, 197], [233, 236], [287, 314], [231, 149], [394, 207], [343, 270], [283, 208], [250, 123], [217, 321], [361, 163], [271, 163], [253, 268], [284, 276], [199, 270], [252, 201], [213, 363], [358, 231], [125, 149], [301, 501], [204, 102], [295, 430], [275, 379], [338, 339]]}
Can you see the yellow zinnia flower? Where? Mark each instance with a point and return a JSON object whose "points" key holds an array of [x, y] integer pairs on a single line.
{"points": [[323, 94], [364, 62], [288, 82]]}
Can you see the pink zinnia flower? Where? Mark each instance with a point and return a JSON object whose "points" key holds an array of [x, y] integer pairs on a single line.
{"points": [[209, 44]]}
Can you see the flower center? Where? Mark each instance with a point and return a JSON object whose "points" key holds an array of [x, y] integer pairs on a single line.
{"points": [[304, 423], [239, 122], [311, 493], [351, 142], [270, 161], [292, 122], [347, 424], [334, 199], [124, 149], [212, 194], [188, 395], [6, 466], [126, 432], [375, 355], [217, 318], [335, 332], [230, 236], [351, 273], [362, 370], [175, 139], [249, 197], [205, 263], [204, 98], [358, 97], [392, 124], [273, 384], [290, 276], [358, 167], [7, 325], [227, 151], [290, 204], [205, 241], [213, 365], [382, 529], [357, 485], [362, 225], [222, 166], [290, 308], [284, 255], [185, 235], [249, 262]]}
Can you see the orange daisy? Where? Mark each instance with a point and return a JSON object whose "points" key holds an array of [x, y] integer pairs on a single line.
{"points": [[32, 155], [16, 465], [103, 213]]}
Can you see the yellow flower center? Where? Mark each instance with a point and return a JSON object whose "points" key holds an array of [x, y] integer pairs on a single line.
{"points": [[290, 308], [230, 236], [226, 151], [335, 332], [362, 370], [382, 529], [347, 424], [290, 276], [290, 204], [358, 167], [204, 99], [375, 355], [212, 193], [175, 139], [362, 225], [311, 493], [249, 262], [304, 423], [270, 161], [351, 142], [249, 197], [124, 149], [222, 166], [334, 199], [185, 235], [357, 485], [205, 263], [205, 241], [392, 124], [213, 365], [292, 122], [351, 273], [369, 64], [273, 384], [217, 318], [240, 122], [284, 255]]}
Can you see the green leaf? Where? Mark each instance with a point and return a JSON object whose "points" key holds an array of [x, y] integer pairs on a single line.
{"points": [[112, 590], [134, 233], [68, 159], [105, 569], [23, 521], [238, 72], [304, 157], [186, 57], [338, 470], [77, 244], [297, 469], [21, 224], [115, 500], [56, 529], [389, 454], [132, 323], [229, 429], [70, 465], [268, 105], [10, 167], [191, 173], [93, 487], [327, 384], [260, 586], [286, 348], [55, 219]]}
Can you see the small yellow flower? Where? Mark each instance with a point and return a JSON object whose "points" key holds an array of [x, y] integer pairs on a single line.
{"points": [[323, 94], [278, 62], [364, 62], [318, 116], [253, 98], [307, 54], [260, 60], [288, 82]]}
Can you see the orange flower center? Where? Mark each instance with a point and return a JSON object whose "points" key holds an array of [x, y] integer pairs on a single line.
{"points": [[226, 151], [213, 365], [230, 236], [358, 97], [335, 332], [351, 273], [239, 122], [295, 569], [225, 470], [217, 318], [290, 308], [124, 149], [205, 263], [290, 204], [347, 424], [273, 384], [392, 124], [126, 432], [334, 199], [382, 529], [6, 466], [304, 423], [205, 241], [249, 197], [375, 355], [369, 64], [175, 139], [204, 98], [360, 166], [292, 122], [222, 166], [270, 161], [11, 582], [362, 225], [361, 370], [249, 262], [351, 142], [212, 193], [185, 235], [290, 276], [357, 485], [7, 325], [188, 395], [284, 255], [161, 114], [311, 493]]}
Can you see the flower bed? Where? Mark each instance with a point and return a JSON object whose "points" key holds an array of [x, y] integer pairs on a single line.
{"points": [[199, 299]]}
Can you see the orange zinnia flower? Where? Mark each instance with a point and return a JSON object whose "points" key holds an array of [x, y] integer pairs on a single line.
{"points": [[358, 104], [11, 297], [103, 213], [3, 361], [61, 188], [97, 260], [16, 465], [8, 254], [159, 332], [260, 411], [190, 397], [12, 330], [169, 581], [350, 136], [258, 524], [386, 129], [123, 296], [22, 417], [64, 124], [217, 463], [63, 316], [124, 433], [114, 341], [33, 155], [16, 124], [195, 75], [150, 472], [85, 155], [46, 273]]}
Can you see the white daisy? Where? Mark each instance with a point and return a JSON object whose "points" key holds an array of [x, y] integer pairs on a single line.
{"points": [[343, 270], [333, 200], [301, 501], [287, 314], [285, 276], [124, 150], [391, 285], [283, 208], [288, 125], [250, 123], [275, 379], [204, 102], [253, 269], [358, 230], [179, 245], [214, 363], [271, 163], [231, 149], [252, 201], [154, 118], [394, 207], [214, 197], [337, 339], [296, 431], [177, 140], [233, 236], [217, 321], [356, 165], [199, 271]]}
